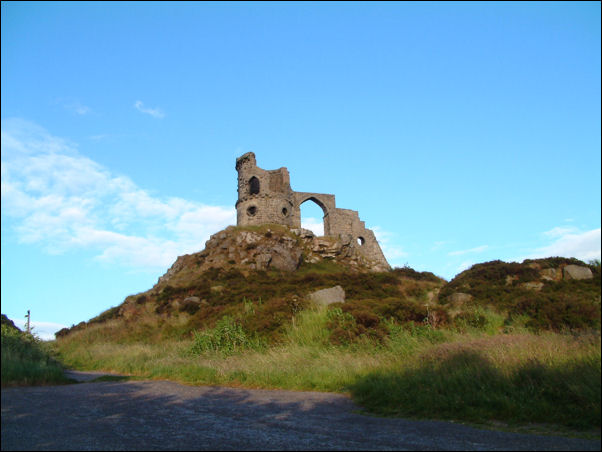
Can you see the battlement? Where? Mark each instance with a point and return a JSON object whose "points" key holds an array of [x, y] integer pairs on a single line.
{"points": [[265, 196]]}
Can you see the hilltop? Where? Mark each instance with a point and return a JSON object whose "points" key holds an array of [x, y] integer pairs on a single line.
{"points": [[271, 271], [272, 267]]}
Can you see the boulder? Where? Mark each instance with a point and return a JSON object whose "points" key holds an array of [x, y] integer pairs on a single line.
{"points": [[325, 297], [550, 274], [577, 272]]}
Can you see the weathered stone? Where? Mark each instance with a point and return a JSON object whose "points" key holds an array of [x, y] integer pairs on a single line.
{"points": [[192, 299], [459, 297], [325, 297], [266, 197], [263, 260], [550, 274], [577, 272], [510, 279], [217, 289], [285, 259]]}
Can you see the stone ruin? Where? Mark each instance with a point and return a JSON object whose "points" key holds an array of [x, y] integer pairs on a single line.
{"points": [[265, 196]]}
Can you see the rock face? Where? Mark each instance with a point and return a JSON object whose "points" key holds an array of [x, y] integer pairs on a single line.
{"points": [[272, 247], [577, 272], [325, 297]]}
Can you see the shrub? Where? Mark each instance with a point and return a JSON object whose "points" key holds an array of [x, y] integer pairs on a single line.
{"points": [[227, 337], [25, 360]]}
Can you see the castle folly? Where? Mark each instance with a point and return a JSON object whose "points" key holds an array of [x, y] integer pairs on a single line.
{"points": [[265, 196]]}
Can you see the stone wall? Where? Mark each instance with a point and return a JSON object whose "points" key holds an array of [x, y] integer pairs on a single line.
{"points": [[266, 197]]}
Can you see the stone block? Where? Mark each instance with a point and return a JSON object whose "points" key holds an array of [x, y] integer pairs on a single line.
{"points": [[325, 297], [577, 272]]}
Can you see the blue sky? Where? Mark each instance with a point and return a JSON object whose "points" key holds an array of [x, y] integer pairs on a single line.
{"points": [[461, 132]]}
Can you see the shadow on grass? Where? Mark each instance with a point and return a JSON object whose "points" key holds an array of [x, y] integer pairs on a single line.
{"points": [[466, 386]]}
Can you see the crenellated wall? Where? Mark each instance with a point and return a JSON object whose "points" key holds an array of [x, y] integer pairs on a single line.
{"points": [[266, 197]]}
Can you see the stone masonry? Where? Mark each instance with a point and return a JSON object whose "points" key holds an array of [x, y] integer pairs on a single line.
{"points": [[265, 196]]}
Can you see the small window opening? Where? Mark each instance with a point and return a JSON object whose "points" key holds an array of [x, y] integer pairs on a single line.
{"points": [[284, 211], [360, 241], [253, 186], [251, 211]]}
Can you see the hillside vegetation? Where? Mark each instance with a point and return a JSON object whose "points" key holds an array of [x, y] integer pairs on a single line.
{"points": [[518, 343], [26, 360]]}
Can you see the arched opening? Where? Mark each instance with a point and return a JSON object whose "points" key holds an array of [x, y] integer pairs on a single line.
{"points": [[253, 186], [360, 241], [312, 216]]}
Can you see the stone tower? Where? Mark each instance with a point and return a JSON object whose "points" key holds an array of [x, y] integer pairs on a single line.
{"points": [[266, 197]]}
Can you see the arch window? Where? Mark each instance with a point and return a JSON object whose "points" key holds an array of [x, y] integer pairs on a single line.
{"points": [[312, 216], [253, 186]]}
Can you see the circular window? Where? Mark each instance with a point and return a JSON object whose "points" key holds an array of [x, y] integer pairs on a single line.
{"points": [[360, 241], [284, 211], [251, 211]]}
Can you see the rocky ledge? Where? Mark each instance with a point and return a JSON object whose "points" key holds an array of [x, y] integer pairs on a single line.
{"points": [[272, 247]]}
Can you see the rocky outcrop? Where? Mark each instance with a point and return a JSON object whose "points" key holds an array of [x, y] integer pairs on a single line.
{"points": [[577, 272], [271, 247]]}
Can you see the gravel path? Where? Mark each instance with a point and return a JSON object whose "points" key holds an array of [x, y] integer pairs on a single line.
{"points": [[161, 415]]}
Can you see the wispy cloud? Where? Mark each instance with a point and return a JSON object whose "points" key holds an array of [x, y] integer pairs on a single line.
{"points": [[154, 112], [79, 109], [74, 106], [386, 241], [44, 330], [571, 242], [464, 266], [62, 200], [478, 249]]}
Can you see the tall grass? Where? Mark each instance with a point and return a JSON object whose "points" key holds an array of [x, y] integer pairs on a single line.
{"points": [[471, 373], [27, 361], [517, 378]]}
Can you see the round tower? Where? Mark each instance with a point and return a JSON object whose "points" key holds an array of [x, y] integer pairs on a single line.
{"points": [[263, 196]]}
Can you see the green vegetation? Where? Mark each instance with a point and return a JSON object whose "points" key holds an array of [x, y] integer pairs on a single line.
{"points": [[507, 353], [26, 360]]}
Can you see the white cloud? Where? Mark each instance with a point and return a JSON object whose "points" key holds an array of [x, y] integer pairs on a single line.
{"points": [[571, 242], [478, 249], [560, 231], [464, 266], [313, 224], [43, 330], [154, 112], [62, 200], [385, 239]]}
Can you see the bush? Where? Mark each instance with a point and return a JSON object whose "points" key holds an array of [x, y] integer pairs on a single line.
{"points": [[227, 338], [26, 361]]}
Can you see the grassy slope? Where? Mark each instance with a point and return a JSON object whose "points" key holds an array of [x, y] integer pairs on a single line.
{"points": [[26, 360], [510, 354]]}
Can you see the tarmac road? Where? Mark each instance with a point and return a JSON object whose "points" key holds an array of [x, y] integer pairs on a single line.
{"points": [[161, 415]]}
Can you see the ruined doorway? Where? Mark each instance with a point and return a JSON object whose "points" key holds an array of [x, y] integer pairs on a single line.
{"points": [[312, 216]]}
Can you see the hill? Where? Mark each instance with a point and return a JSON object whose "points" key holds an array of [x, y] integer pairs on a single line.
{"points": [[271, 307], [263, 276], [269, 271]]}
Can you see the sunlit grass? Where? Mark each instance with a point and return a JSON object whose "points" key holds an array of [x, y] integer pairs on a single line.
{"points": [[473, 375]]}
